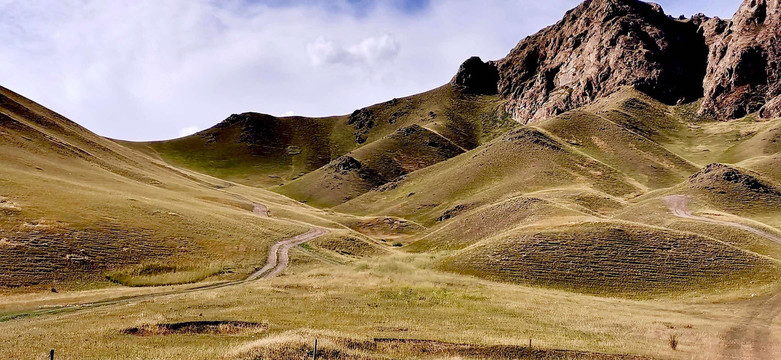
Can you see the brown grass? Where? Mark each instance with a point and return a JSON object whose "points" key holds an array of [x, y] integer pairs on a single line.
{"points": [[615, 258], [300, 345]]}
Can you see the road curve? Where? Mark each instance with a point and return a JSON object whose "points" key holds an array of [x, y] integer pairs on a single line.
{"points": [[678, 205], [278, 259], [278, 256], [752, 337]]}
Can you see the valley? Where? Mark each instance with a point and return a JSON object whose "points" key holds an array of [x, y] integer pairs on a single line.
{"points": [[540, 206]]}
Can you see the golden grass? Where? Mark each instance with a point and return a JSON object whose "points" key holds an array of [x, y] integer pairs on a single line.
{"points": [[157, 274], [395, 296]]}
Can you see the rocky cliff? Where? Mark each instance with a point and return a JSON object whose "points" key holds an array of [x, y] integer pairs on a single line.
{"points": [[744, 64], [602, 45], [598, 47]]}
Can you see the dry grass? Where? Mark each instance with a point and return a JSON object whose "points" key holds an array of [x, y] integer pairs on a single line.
{"points": [[300, 345], [522, 161], [157, 274], [613, 258], [396, 296], [76, 206]]}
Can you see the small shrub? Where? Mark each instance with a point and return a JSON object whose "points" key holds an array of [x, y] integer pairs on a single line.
{"points": [[398, 244], [673, 341]]}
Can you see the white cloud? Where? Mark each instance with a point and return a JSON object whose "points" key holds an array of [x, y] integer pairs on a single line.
{"points": [[369, 50], [289, 113], [188, 131], [145, 69]]}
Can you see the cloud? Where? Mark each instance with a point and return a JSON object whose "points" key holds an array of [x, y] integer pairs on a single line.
{"points": [[146, 69], [188, 131], [289, 113], [369, 50]]}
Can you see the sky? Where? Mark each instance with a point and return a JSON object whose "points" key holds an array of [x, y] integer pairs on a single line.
{"points": [[160, 69]]}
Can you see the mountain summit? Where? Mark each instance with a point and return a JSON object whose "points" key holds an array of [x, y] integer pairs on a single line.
{"points": [[745, 62], [602, 45], [597, 48]]}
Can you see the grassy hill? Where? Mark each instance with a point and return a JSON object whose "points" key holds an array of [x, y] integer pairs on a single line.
{"points": [[263, 150], [406, 150], [521, 161], [437, 216], [76, 207], [612, 258]]}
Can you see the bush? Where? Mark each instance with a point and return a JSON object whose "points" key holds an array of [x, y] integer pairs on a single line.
{"points": [[673, 341]]}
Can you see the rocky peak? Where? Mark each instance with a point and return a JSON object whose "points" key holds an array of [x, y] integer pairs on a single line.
{"points": [[600, 46], [744, 64], [477, 77]]}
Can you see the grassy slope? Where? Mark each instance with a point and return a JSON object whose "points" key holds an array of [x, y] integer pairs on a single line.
{"points": [[624, 131], [265, 151], [252, 148], [615, 258], [406, 150], [521, 161], [75, 206]]}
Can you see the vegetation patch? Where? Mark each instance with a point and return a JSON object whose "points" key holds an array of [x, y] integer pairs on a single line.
{"points": [[213, 327], [156, 274]]}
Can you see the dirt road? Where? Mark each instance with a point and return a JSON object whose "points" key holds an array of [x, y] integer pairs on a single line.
{"points": [[278, 256], [679, 205], [278, 259], [752, 337]]}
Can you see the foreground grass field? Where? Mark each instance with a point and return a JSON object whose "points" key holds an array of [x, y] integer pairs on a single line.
{"points": [[396, 296]]}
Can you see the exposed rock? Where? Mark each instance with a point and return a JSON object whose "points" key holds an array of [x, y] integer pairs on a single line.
{"points": [[477, 77], [293, 150], [526, 135], [598, 47], [714, 174], [391, 184], [362, 120], [744, 64], [345, 164], [452, 212]]}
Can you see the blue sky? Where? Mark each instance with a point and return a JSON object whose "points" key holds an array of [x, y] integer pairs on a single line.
{"points": [[150, 69]]}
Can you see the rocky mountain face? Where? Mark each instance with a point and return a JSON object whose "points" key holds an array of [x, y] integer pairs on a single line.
{"points": [[602, 45], [598, 47], [744, 64]]}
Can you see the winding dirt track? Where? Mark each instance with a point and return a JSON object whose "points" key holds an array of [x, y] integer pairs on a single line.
{"points": [[278, 256], [752, 337], [679, 206]]}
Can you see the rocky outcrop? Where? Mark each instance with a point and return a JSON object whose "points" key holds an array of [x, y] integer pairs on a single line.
{"points": [[477, 77], [716, 176], [597, 48], [744, 64], [347, 164], [363, 121]]}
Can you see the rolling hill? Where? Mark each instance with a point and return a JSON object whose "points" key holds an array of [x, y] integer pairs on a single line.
{"points": [[611, 184], [76, 207]]}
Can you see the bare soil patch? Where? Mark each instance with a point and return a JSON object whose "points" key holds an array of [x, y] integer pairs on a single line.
{"points": [[213, 327]]}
